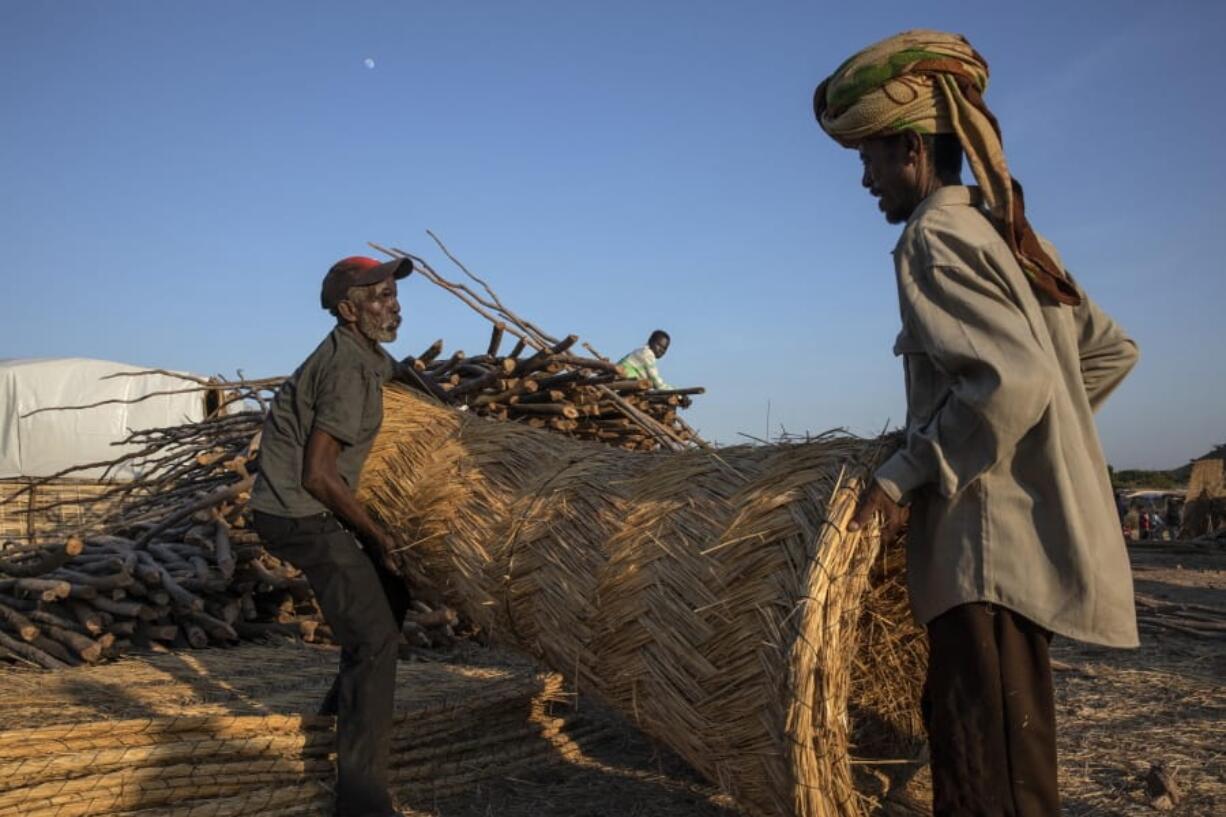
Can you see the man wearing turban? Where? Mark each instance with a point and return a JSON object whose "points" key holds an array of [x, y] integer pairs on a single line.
{"points": [[1012, 531]]}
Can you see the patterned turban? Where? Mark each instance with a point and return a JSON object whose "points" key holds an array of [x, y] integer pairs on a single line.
{"points": [[932, 82]]}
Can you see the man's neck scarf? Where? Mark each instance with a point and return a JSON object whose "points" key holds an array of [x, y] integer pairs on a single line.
{"points": [[931, 82]]}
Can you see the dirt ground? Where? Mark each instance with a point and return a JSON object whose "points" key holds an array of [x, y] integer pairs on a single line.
{"points": [[1120, 712]]}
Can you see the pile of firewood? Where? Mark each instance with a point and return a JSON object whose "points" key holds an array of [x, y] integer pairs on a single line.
{"points": [[169, 561], [542, 382], [83, 600], [583, 397]]}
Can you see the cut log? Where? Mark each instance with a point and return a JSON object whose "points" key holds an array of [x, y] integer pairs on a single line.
{"points": [[45, 589], [31, 652], [559, 409], [18, 623], [223, 552]]}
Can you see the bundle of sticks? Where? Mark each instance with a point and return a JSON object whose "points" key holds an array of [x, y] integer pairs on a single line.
{"points": [[585, 397]]}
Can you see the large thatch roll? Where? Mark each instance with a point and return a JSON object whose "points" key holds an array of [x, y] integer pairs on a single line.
{"points": [[716, 599]]}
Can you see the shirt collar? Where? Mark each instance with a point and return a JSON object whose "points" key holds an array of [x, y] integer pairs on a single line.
{"points": [[373, 356], [956, 195]]}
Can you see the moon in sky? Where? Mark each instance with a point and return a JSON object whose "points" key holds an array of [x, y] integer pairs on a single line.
{"points": [[368, 62]]}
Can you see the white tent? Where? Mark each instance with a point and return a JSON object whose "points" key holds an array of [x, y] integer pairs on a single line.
{"points": [[46, 443]]}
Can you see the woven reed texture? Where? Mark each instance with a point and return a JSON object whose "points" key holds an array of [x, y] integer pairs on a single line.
{"points": [[222, 733], [33, 515], [714, 598]]}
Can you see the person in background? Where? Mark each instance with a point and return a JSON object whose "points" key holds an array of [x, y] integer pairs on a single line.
{"points": [[1156, 525], [1013, 531], [1173, 516], [319, 429], [1143, 522], [641, 363]]}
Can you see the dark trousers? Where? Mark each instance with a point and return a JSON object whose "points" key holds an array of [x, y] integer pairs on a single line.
{"points": [[990, 714], [364, 604]]}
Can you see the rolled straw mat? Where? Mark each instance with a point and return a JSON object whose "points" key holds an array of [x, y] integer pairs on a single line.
{"points": [[715, 598]]}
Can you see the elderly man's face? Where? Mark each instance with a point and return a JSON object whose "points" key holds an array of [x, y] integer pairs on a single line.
{"points": [[891, 174], [374, 309]]}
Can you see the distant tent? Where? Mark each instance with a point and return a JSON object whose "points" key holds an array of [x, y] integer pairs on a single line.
{"points": [[1205, 511], [47, 442]]}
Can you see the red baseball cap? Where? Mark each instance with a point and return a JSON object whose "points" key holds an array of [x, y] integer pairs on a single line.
{"points": [[359, 271]]}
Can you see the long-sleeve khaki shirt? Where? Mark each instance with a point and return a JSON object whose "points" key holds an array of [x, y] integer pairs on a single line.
{"points": [[1001, 462]]}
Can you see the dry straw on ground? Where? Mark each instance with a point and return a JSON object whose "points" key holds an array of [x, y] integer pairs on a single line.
{"points": [[715, 598], [222, 733]]}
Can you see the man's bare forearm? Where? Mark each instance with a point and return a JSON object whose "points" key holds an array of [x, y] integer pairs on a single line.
{"points": [[335, 495], [323, 481]]}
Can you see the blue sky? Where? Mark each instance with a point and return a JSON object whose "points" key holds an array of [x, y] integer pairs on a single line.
{"points": [[177, 177]]}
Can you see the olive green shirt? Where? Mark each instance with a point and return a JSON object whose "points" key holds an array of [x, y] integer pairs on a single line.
{"points": [[1001, 464], [338, 389]]}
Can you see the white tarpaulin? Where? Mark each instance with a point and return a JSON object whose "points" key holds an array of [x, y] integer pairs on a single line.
{"points": [[42, 444]]}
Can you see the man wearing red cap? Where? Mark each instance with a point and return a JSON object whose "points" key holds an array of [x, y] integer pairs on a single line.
{"points": [[316, 437]]}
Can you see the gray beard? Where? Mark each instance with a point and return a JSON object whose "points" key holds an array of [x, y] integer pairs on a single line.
{"points": [[371, 328]]}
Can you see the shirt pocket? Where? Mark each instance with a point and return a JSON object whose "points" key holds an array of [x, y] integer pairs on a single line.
{"points": [[372, 406], [927, 386]]}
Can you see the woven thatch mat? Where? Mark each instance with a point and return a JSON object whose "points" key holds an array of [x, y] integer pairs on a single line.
{"points": [[222, 733], [717, 600], [39, 510]]}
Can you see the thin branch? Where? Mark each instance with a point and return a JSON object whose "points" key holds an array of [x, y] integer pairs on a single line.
{"points": [[594, 353], [494, 310], [458, 290], [113, 401], [493, 295], [180, 375], [215, 382]]}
